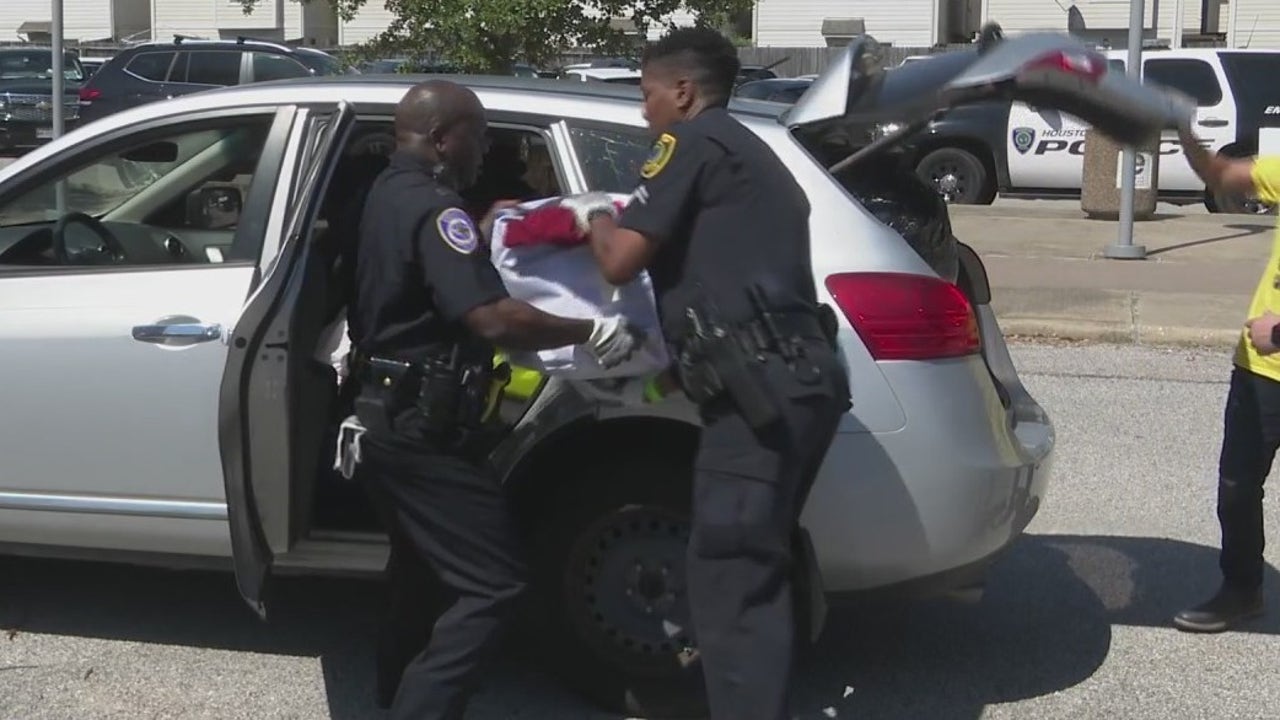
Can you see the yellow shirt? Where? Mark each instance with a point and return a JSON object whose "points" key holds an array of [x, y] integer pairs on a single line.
{"points": [[1266, 181]]}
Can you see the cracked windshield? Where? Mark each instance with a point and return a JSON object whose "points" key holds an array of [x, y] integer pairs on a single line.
{"points": [[106, 184], [611, 159]]}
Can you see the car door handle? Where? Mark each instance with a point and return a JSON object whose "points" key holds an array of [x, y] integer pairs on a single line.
{"points": [[177, 333], [1213, 122]]}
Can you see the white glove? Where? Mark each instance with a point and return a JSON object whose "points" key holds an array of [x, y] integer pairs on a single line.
{"points": [[613, 339], [588, 204]]}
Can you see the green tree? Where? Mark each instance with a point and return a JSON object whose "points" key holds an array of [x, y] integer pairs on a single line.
{"points": [[492, 35]]}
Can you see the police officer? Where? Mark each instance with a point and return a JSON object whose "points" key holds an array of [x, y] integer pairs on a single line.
{"points": [[722, 227], [426, 312]]}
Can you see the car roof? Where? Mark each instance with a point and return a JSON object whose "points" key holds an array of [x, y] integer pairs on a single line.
{"points": [[553, 86]]}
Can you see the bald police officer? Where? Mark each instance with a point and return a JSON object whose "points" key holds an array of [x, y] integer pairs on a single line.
{"points": [[428, 309], [722, 228]]}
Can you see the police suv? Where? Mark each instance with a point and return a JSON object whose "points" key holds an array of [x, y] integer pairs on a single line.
{"points": [[1018, 149]]}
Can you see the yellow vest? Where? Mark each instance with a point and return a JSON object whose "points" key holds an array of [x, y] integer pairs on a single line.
{"points": [[1266, 182]]}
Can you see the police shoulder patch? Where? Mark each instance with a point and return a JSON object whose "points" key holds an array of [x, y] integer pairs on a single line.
{"points": [[659, 156], [457, 230]]}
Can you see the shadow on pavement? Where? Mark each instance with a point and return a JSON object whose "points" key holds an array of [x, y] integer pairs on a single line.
{"points": [[1044, 626], [1246, 230]]}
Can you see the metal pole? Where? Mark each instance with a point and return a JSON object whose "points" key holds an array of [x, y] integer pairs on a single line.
{"points": [[1179, 17], [1124, 249], [59, 98]]}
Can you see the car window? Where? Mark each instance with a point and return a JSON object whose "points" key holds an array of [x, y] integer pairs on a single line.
{"points": [[789, 95], [33, 64], [268, 66], [611, 158], [1193, 77], [152, 66], [163, 197], [755, 90], [213, 67]]}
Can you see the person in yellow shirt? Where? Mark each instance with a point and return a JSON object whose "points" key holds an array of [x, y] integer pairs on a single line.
{"points": [[1251, 422]]}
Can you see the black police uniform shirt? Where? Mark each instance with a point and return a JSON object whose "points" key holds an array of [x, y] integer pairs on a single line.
{"points": [[725, 213], [420, 267]]}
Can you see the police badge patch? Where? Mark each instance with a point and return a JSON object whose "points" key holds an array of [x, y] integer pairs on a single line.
{"points": [[457, 231], [659, 156], [1023, 139]]}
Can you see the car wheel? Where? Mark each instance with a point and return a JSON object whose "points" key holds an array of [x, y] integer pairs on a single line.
{"points": [[609, 593], [957, 175], [1220, 201]]}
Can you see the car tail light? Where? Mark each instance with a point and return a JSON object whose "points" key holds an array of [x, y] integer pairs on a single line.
{"points": [[88, 94], [1090, 65], [907, 317]]}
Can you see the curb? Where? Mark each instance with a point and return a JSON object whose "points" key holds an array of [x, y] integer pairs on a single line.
{"points": [[1046, 329]]}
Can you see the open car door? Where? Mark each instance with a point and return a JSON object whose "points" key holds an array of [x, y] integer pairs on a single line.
{"points": [[255, 425], [1043, 69]]}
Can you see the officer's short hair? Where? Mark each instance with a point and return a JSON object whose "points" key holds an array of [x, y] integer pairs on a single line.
{"points": [[703, 52]]}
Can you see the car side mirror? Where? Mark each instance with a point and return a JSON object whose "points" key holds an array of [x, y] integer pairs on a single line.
{"points": [[213, 207], [156, 152]]}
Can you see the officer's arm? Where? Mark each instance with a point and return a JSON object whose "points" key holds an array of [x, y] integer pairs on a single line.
{"points": [[467, 288], [659, 206], [1218, 172]]}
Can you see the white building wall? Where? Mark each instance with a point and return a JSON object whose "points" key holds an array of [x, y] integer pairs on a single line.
{"points": [[371, 20], [1256, 24], [798, 23], [81, 19], [1029, 15]]}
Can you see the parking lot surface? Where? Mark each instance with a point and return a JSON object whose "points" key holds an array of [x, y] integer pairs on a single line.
{"points": [[1075, 622]]}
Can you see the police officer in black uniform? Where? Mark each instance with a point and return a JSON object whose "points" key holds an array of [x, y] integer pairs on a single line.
{"points": [[722, 227], [427, 309]]}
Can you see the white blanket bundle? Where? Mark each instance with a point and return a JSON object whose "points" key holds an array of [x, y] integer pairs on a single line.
{"points": [[565, 281]]}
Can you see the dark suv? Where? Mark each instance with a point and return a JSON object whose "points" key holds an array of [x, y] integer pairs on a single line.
{"points": [[26, 95], [157, 71]]}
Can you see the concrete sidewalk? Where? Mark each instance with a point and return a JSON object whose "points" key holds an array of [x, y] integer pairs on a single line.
{"points": [[1049, 277]]}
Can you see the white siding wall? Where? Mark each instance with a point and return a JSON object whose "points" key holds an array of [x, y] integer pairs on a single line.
{"points": [[798, 23], [1257, 24], [81, 19], [372, 19], [205, 18], [130, 17], [1025, 15], [680, 19]]}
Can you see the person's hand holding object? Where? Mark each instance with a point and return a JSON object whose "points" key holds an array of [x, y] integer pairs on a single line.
{"points": [[1262, 332], [587, 205], [613, 340]]}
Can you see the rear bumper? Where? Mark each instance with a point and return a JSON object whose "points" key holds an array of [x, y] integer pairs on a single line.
{"points": [[28, 135], [936, 499]]}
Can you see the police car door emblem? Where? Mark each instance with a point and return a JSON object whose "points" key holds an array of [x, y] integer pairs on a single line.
{"points": [[457, 231], [1023, 139], [659, 156]]}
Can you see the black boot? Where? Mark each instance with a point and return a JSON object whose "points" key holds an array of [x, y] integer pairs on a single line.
{"points": [[1229, 606]]}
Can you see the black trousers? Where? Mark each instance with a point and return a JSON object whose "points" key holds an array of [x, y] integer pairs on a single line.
{"points": [[454, 575], [1250, 437], [749, 488]]}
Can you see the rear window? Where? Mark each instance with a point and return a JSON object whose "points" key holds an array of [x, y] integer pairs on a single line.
{"points": [[153, 66], [1195, 78]]}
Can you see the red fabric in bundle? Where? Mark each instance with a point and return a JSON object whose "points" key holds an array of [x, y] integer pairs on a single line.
{"points": [[551, 224]]}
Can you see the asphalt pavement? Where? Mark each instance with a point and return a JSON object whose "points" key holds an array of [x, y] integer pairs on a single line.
{"points": [[1075, 622]]}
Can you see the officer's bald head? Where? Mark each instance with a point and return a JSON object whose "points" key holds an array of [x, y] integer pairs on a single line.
{"points": [[443, 122]]}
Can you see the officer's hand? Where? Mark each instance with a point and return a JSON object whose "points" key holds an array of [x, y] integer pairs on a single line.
{"points": [[588, 204], [613, 340], [1260, 329], [486, 223]]}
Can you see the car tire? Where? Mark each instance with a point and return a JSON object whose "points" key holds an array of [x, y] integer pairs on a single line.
{"points": [[1221, 201], [958, 175], [607, 551]]}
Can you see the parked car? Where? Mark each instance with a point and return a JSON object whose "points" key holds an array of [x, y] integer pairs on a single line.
{"points": [[26, 95], [168, 330], [155, 71], [1016, 149], [616, 76], [92, 65], [779, 90]]}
